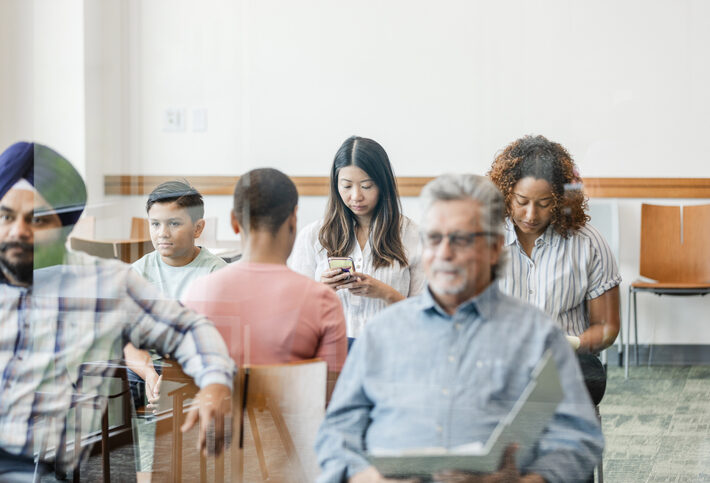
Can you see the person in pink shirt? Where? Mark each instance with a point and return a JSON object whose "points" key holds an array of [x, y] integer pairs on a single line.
{"points": [[266, 312]]}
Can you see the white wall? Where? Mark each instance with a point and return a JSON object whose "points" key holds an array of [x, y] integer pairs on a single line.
{"points": [[443, 85], [42, 75]]}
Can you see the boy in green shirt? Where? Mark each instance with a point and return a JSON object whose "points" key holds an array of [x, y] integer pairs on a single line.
{"points": [[175, 216]]}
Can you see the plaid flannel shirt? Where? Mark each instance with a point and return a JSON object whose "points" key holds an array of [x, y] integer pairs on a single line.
{"points": [[83, 311]]}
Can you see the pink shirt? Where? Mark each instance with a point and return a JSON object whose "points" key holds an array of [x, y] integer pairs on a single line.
{"points": [[269, 314]]}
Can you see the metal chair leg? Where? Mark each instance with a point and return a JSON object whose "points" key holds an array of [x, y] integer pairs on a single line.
{"points": [[620, 339], [636, 331], [628, 335], [600, 466]]}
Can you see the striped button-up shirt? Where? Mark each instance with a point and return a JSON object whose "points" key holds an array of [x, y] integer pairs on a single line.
{"points": [[311, 259], [560, 274], [86, 311]]}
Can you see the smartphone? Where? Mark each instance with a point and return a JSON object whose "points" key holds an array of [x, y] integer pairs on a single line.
{"points": [[346, 263]]}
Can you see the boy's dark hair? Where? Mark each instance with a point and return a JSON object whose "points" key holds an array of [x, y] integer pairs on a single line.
{"points": [[263, 199], [182, 193]]}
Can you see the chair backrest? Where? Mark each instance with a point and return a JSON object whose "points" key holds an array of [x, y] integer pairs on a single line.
{"points": [[127, 251], [140, 229], [275, 426], [286, 402], [674, 241], [98, 248]]}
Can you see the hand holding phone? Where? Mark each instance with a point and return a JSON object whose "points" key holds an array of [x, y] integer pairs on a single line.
{"points": [[340, 270]]}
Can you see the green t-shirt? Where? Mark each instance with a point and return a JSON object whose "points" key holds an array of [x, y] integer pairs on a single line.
{"points": [[173, 281]]}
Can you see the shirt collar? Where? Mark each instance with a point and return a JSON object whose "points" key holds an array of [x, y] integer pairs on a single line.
{"points": [[482, 304], [549, 237]]}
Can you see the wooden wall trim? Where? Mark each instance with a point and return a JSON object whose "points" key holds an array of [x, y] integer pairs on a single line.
{"points": [[411, 186]]}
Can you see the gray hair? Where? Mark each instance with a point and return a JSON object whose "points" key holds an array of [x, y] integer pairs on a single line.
{"points": [[450, 187], [480, 189]]}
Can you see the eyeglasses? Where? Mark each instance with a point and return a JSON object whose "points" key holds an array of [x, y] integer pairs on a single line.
{"points": [[456, 239]]}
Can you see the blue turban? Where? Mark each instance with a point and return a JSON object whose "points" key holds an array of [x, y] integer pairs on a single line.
{"points": [[50, 173]]}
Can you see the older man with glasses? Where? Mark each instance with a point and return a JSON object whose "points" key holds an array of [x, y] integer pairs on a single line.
{"points": [[442, 369]]}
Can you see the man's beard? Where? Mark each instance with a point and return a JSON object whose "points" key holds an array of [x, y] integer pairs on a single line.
{"points": [[21, 271], [448, 289]]}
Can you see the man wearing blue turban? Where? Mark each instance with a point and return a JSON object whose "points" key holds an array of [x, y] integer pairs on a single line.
{"points": [[60, 309], [43, 174]]}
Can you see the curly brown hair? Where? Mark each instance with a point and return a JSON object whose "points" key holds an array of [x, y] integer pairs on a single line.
{"points": [[537, 157]]}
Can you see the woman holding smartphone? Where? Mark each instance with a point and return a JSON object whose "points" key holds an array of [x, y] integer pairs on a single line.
{"points": [[558, 261], [363, 222]]}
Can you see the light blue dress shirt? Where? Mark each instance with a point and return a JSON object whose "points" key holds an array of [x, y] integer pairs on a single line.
{"points": [[419, 377]]}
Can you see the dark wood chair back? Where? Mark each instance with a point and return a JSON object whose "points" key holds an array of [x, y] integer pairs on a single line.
{"points": [[127, 251]]}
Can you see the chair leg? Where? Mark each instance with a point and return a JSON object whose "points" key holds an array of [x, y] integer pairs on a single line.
{"points": [[203, 460], [600, 466], [600, 472], [257, 444], [176, 464], [77, 444], [620, 339], [297, 471], [628, 335], [104, 446], [636, 331]]}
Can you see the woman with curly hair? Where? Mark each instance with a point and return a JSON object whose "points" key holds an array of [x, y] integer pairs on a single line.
{"points": [[363, 221], [558, 261]]}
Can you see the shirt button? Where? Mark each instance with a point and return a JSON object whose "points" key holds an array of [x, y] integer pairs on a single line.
{"points": [[458, 326], [439, 429], [530, 292], [479, 364], [445, 392], [451, 359]]}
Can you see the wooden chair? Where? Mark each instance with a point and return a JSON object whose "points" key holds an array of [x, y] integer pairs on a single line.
{"points": [[140, 229], [288, 401], [127, 251], [95, 402], [674, 257], [277, 410]]}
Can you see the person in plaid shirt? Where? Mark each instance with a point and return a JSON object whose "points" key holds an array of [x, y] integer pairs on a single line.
{"points": [[59, 310]]}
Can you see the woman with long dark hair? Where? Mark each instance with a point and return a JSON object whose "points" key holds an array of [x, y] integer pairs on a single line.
{"points": [[363, 221]]}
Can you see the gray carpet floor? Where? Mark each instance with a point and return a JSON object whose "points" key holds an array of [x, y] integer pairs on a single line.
{"points": [[656, 425]]}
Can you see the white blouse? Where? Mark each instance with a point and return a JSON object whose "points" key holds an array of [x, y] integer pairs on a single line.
{"points": [[311, 259]]}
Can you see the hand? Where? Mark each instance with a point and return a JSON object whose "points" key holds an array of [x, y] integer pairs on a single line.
{"points": [[334, 277], [214, 403], [368, 286], [371, 475], [507, 473], [152, 390], [573, 341]]}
